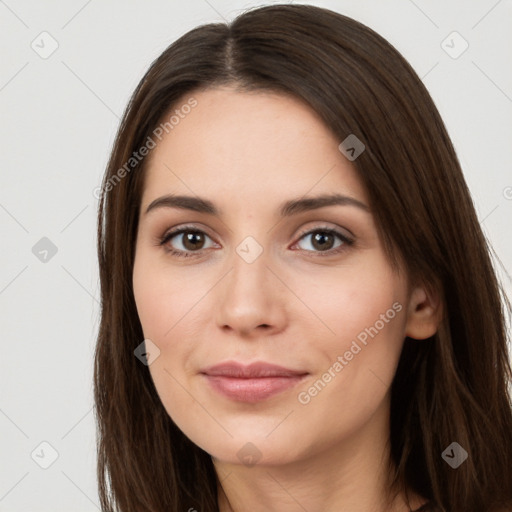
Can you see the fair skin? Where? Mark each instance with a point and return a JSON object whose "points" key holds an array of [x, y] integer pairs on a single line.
{"points": [[299, 304]]}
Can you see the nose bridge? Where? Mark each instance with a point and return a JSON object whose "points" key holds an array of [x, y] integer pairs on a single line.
{"points": [[249, 275], [249, 297]]}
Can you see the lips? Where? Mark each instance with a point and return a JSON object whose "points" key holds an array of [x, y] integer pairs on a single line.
{"points": [[254, 370], [251, 383]]}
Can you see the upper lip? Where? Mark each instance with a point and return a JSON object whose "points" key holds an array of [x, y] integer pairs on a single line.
{"points": [[238, 370]]}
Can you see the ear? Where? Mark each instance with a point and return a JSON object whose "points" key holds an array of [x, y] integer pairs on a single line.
{"points": [[424, 313]]}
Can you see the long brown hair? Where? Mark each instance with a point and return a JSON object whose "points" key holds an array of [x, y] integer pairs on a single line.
{"points": [[449, 388]]}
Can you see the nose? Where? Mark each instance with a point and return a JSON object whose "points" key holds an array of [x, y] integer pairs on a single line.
{"points": [[251, 299]]}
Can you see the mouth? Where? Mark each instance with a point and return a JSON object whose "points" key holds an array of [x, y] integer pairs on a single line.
{"points": [[252, 383]]}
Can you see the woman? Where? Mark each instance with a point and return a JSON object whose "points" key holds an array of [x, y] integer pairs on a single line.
{"points": [[299, 310]]}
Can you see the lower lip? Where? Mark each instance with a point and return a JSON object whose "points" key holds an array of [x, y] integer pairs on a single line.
{"points": [[252, 390]]}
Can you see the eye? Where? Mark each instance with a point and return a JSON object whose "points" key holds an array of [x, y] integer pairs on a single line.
{"points": [[323, 240], [189, 240]]}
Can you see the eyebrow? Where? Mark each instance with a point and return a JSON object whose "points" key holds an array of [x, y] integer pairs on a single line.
{"points": [[288, 208]]}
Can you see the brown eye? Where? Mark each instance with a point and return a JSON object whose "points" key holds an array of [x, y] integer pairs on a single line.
{"points": [[325, 241], [322, 241], [185, 241], [193, 240]]}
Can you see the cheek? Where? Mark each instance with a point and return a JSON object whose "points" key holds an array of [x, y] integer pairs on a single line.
{"points": [[150, 303], [365, 314], [354, 302], [169, 305], [164, 307], [162, 298], [361, 360]]}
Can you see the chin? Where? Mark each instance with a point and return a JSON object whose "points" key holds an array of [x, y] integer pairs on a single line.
{"points": [[250, 446]]}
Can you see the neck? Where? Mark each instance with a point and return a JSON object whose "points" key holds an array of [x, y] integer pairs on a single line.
{"points": [[350, 476]]}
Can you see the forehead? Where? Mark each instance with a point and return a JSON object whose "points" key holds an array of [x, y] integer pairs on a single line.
{"points": [[249, 146]]}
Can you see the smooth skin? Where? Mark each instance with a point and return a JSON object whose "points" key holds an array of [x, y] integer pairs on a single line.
{"points": [[300, 304]]}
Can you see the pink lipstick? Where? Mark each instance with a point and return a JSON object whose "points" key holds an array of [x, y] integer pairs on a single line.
{"points": [[252, 383]]}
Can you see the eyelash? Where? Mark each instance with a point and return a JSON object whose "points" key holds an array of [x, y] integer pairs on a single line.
{"points": [[346, 241]]}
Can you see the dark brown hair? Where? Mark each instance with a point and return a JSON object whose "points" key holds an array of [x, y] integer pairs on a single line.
{"points": [[451, 387]]}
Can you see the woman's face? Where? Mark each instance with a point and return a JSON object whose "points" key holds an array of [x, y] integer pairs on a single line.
{"points": [[263, 273]]}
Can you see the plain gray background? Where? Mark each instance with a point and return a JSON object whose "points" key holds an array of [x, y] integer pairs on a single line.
{"points": [[59, 115]]}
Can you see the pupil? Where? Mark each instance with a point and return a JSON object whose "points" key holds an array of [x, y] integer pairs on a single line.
{"points": [[192, 238], [320, 240]]}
